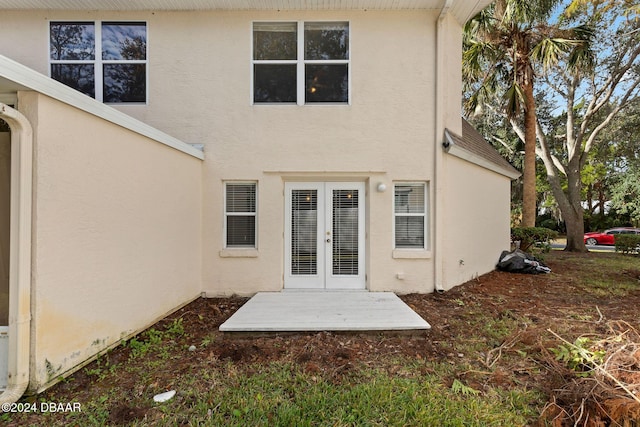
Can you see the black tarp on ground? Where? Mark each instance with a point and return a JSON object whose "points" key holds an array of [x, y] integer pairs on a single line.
{"points": [[521, 262]]}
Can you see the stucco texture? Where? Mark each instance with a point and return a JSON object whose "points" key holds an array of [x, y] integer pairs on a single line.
{"points": [[199, 90], [477, 208], [116, 224]]}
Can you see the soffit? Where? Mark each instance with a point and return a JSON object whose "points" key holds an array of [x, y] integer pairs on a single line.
{"points": [[466, 9], [460, 8]]}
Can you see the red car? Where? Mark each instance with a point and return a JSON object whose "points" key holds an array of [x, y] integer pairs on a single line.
{"points": [[607, 237]]}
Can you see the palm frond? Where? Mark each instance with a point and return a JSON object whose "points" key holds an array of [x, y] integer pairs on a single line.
{"points": [[548, 51], [529, 12], [481, 24], [476, 58], [484, 91], [583, 56], [514, 97]]}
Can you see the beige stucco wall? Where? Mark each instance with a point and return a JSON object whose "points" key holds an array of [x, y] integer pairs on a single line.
{"points": [[116, 234], [200, 91], [477, 210], [451, 88], [385, 135]]}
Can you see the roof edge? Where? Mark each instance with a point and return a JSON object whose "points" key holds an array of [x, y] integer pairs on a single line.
{"points": [[464, 10], [33, 80], [455, 150]]}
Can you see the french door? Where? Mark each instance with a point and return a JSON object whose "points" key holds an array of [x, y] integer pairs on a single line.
{"points": [[324, 235]]}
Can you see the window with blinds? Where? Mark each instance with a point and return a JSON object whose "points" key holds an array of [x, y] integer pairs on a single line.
{"points": [[345, 232], [304, 232], [240, 215], [410, 215]]}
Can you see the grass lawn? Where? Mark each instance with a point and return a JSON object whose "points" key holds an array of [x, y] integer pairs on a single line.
{"points": [[503, 349]]}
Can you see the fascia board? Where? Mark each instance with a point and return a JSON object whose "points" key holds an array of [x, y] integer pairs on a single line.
{"points": [[455, 150], [32, 80]]}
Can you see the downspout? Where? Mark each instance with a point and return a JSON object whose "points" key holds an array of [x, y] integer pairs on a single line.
{"points": [[438, 211], [20, 254]]}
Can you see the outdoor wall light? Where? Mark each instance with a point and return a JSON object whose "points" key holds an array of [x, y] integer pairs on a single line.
{"points": [[382, 187]]}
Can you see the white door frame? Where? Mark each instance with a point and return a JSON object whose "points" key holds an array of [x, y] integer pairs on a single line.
{"points": [[323, 277], [19, 252]]}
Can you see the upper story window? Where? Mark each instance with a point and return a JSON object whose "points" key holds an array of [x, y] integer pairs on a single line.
{"points": [[105, 60], [301, 62]]}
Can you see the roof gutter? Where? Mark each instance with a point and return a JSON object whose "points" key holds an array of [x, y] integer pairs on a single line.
{"points": [[20, 254], [438, 212]]}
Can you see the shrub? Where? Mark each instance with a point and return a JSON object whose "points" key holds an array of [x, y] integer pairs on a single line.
{"points": [[627, 243], [533, 236]]}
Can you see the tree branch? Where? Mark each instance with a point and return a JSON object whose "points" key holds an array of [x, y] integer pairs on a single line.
{"points": [[624, 101]]}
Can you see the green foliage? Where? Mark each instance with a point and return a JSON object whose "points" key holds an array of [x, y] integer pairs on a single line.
{"points": [[101, 369], [596, 58], [578, 356], [627, 243], [176, 329], [280, 394], [548, 221], [530, 237], [626, 194], [152, 339], [460, 388]]}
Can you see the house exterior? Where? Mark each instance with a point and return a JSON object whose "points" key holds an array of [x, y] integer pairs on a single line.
{"points": [[159, 151]]}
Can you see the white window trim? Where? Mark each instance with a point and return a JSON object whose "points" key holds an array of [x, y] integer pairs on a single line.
{"points": [[244, 251], [98, 61], [403, 252], [300, 63]]}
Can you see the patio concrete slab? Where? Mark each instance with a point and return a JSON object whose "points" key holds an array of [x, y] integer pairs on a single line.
{"points": [[296, 311]]}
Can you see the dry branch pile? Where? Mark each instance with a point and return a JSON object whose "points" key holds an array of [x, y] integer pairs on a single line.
{"points": [[598, 391]]}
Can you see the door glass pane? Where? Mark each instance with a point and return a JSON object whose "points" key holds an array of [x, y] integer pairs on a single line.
{"points": [[345, 232], [304, 232]]}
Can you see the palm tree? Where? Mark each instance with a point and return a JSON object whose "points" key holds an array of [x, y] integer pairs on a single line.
{"points": [[504, 46]]}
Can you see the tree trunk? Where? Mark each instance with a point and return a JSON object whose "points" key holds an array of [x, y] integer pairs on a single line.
{"points": [[529, 194], [569, 200], [601, 199], [575, 230], [575, 219]]}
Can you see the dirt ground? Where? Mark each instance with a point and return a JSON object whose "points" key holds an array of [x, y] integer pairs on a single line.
{"points": [[534, 304]]}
